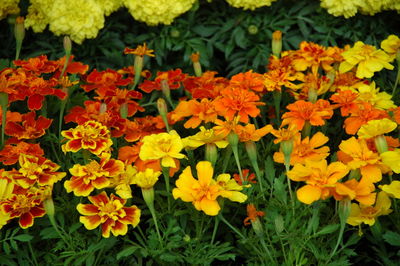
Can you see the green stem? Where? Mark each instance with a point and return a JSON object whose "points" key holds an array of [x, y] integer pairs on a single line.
{"points": [[277, 95], [32, 253], [216, 223], [231, 226], [236, 155], [54, 224], [150, 205], [227, 156], [67, 56], [61, 116], [264, 245], [397, 79], [165, 171]]}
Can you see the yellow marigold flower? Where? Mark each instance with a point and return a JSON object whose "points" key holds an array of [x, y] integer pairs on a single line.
{"points": [[109, 6], [346, 8], [392, 160], [320, 179], [154, 12], [249, 4], [391, 45], [38, 14], [367, 214], [164, 146], [204, 191], [367, 58], [306, 149], [393, 189], [8, 7], [376, 128], [356, 154], [205, 136], [284, 134], [371, 94], [79, 19], [121, 183], [91, 136], [146, 179], [6, 188], [110, 213], [35, 170]]}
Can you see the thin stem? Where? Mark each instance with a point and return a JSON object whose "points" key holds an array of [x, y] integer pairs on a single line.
{"points": [[165, 171], [54, 224], [32, 253], [236, 155], [230, 226], [287, 166], [216, 223], [397, 79]]}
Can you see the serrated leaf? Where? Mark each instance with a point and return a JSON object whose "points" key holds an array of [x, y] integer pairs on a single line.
{"points": [[328, 229], [23, 238], [392, 238]]}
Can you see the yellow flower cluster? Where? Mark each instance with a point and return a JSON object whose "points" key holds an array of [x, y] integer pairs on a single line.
{"points": [[8, 7], [79, 19], [249, 4], [154, 12], [349, 8]]}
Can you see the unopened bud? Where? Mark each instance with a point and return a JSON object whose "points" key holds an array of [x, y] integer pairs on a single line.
{"points": [[211, 154], [381, 144], [257, 227], [165, 88], [19, 32], [279, 224], [148, 196], [67, 45], [195, 57], [103, 108], [49, 206], [252, 29], [175, 33], [251, 149], [277, 43], [233, 139], [163, 110]]}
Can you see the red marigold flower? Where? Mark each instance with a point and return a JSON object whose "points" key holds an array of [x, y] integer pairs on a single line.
{"points": [[248, 81], [143, 126], [37, 65], [206, 86], [35, 170], [29, 128], [174, 78], [26, 204], [247, 176], [92, 136], [10, 153], [236, 101], [72, 67], [105, 80], [11, 83], [110, 213], [116, 98], [85, 178]]}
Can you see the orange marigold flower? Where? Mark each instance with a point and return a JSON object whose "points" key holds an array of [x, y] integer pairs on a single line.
{"points": [[105, 80], [110, 213], [10, 153], [29, 128], [92, 136], [198, 112], [223, 128], [38, 65], [306, 149], [35, 170], [247, 177], [361, 116], [26, 204], [206, 86], [174, 78], [302, 111], [11, 80], [276, 78], [115, 98], [143, 126], [319, 85], [284, 134], [320, 178], [129, 154], [72, 67], [248, 81], [250, 133], [361, 191], [237, 101], [346, 101], [85, 178], [140, 50], [252, 214]]}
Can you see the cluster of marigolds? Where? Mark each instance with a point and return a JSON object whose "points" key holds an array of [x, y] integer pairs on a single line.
{"points": [[324, 82], [82, 19]]}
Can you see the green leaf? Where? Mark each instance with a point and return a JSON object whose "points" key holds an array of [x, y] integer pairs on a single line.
{"points": [[14, 244], [328, 229], [392, 238], [127, 252], [23, 238], [6, 248]]}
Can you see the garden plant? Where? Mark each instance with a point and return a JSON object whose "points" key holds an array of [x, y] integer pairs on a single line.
{"points": [[193, 132]]}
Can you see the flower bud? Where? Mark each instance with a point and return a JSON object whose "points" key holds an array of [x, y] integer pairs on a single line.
{"points": [[19, 34], [175, 33], [165, 88], [195, 57], [211, 154], [49, 206], [233, 139], [252, 29], [279, 224], [148, 196], [67, 45], [277, 43], [163, 110], [381, 144], [257, 227], [251, 149]]}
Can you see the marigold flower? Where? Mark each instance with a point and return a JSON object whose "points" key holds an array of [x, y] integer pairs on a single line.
{"points": [[105, 80], [371, 94], [375, 128], [205, 136], [356, 155], [320, 179], [91, 136], [110, 213], [249, 4], [392, 160], [238, 102], [121, 183], [252, 214], [248, 81], [29, 128], [367, 59], [174, 80], [35, 170], [140, 50], [393, 189], [85, 178], [302, 111], [25, 204], [275, 79], [224, 128], [250, 133], [367, 214], [206, 86], [10, 153], [38, 65], [346, 101], [247, 177], [164, 146], [146, 179], [285, 134], [361, 191], [199, 112], [391, 45], [204, 191], [305, 149]]}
